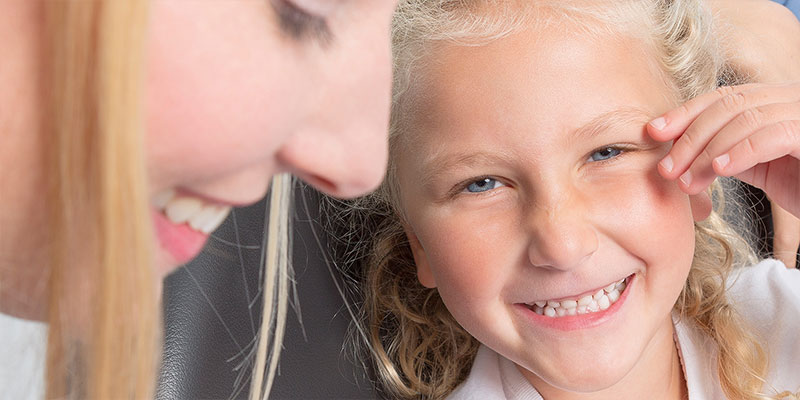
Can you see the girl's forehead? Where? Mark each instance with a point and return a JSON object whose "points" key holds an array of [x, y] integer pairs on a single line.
{"points": [[538, 82]]}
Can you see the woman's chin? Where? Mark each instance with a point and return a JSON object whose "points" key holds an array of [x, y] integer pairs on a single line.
{"points": [[165, 264]]}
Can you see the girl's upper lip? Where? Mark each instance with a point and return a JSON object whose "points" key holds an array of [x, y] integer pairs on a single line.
{"points": [[582, 294]]}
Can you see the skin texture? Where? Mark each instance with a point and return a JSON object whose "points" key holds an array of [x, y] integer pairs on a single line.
{"points": [[554, 223], [232, 97]]}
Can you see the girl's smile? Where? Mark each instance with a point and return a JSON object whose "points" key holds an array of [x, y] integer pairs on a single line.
{"points": [[579, 312]]}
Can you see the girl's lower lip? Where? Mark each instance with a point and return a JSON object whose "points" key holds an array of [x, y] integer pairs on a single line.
{"points": [[575, 322], [179, 240]]}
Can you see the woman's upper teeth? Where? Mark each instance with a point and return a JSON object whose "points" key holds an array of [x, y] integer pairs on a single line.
{"points": [[199, 215]]}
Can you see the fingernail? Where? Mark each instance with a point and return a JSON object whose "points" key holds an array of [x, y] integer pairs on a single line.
{"points": [[666, 163], [686, 178], [722, 161], [659, 123]]}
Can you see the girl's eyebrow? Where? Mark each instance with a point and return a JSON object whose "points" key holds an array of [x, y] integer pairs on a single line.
{"points": [[612, 120], [434, 166], [608, 121]]}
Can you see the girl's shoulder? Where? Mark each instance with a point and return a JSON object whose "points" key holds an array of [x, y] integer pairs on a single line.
{"points": [[767, 296], [494, 377], [768, 285]]}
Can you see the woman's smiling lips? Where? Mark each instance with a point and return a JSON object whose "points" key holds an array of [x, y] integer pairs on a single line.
{"points": [[581, 313], [183, 222]]}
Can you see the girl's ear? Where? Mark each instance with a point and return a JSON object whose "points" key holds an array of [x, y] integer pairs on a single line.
{"points": [[424, 273], [701, 206]]}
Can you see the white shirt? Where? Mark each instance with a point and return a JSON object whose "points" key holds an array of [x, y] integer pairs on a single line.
{"points": [[766, 295], [22, 354]]}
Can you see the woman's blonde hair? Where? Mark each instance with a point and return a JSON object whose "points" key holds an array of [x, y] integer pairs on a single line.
{"points": [[418, 348], [104, 317], [103, 312]]}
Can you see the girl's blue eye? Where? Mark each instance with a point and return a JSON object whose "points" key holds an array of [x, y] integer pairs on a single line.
{"points": [[483, 185], [605, 154]]}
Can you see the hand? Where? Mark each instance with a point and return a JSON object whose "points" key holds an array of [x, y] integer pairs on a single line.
{"points": [[750, 131], [787, 236]]}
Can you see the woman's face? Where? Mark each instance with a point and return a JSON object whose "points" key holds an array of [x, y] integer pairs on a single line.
{"points": [[531, 179], [240, 90]]}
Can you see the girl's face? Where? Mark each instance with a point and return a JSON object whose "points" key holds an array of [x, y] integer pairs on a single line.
{"points": [[531, 180], [240, 90]]}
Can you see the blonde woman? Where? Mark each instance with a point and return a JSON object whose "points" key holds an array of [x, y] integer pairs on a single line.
{"points": [[538, 236], [130, 128]]}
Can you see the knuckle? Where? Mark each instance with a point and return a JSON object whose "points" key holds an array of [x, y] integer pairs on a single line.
{"points": [[705, 155], [685, 143], [733, 102], [790, 129], [751, 118], [748, 146], [724, 91]]}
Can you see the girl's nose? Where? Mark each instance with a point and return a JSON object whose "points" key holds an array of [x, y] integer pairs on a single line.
{"points": [[560, 237]]}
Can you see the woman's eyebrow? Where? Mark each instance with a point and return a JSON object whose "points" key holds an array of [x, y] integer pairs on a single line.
{"points": [[613, 120]]}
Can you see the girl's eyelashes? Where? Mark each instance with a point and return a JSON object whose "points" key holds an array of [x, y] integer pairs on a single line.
{"points": [[481, 185], [605, 153], [300, 24], [487, 183]]}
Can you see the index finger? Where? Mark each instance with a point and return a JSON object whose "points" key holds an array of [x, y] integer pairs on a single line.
{"points": [[673, 123]]}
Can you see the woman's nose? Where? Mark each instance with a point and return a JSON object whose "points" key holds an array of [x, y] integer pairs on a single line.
{"points": [[342, 147], [343, 164], [560, 237]]}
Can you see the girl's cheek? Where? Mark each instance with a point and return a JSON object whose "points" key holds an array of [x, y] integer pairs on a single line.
{"points": [[651, 217], [464, 249], [637, 187]]}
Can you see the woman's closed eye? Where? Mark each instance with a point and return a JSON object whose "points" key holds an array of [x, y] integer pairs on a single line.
{"points": [[299, 23]]}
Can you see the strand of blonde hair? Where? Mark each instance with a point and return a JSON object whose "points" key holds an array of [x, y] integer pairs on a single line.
{"points": [[275, 288]]}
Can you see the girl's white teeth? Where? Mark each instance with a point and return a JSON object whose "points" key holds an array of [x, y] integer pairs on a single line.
{"points": [[569, 304], [199, 215], [599, 301]]}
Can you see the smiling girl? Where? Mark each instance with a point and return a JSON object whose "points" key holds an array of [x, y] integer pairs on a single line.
{"points": [[532, 240]]}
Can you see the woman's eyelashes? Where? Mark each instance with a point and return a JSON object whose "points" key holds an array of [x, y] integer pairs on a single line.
{"points": [[300, 24]]}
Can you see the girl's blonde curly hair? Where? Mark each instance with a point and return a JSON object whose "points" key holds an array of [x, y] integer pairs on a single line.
{"points": [[418, 349]]}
